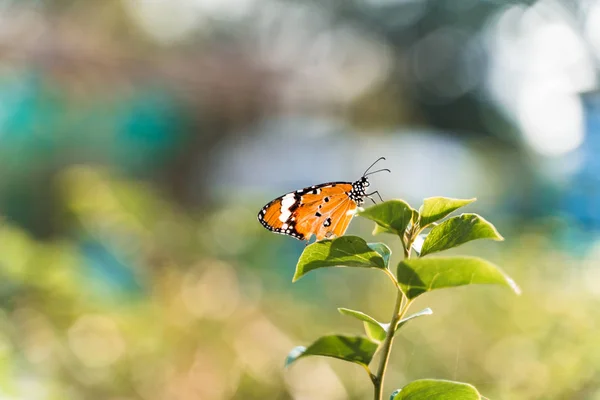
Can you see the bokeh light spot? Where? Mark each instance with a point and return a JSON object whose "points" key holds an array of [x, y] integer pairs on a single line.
{"points": [[96, 341]]}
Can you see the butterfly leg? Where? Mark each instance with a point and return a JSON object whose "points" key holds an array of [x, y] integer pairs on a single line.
{"points": [[371, 194]]}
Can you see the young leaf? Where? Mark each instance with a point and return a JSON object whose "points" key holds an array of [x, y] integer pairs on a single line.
{"points": [[415, 216], [436, 389], [294, 354], [458, 230], [356, 349], [392, 216], [421, 313], [345, 251], [418, 243], [384, 251], [375, 330], [436, 208], [419, 275]]}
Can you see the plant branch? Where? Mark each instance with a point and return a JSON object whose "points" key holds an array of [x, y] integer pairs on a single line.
{"points": [[400, 309], [392, 277]]}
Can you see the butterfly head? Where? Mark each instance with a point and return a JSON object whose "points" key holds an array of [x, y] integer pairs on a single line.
{"points": [[362, 183], [359, 192]]}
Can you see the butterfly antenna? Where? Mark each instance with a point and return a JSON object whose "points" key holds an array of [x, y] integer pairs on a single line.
{"points": [[371, 166], [379, 170]]}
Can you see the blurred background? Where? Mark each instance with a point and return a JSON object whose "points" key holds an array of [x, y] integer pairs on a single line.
{"points": [[139, 139]]}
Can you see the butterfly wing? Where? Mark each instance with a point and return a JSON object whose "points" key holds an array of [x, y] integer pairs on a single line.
{"points": [[326, 219], [323, 210], [337, 220]]}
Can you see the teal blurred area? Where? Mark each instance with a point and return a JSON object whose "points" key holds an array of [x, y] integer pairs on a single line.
{"points": [[139, 139]]}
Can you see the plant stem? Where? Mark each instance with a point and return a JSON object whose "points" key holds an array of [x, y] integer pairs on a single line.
{"points": [[402, 304], [387, 348]]}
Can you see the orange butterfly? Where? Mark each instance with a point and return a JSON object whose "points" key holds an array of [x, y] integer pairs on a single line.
{"points": [[323, 210]]}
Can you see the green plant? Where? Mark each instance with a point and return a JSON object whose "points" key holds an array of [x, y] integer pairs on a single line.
{"points": [[413, 277]]}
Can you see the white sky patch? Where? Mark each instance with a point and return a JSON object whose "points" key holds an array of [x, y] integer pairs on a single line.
{"points": [[592, 26], [539, 65], [551, 120]]}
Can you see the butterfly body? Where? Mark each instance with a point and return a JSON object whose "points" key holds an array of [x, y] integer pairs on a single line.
{"points": [[323, 210]]}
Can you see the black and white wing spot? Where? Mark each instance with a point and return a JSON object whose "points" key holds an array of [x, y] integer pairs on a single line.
{"points": [[289, 203]]}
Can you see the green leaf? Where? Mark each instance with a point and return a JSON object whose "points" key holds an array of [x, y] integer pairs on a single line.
{"points": [[415, 216], [419, 275], [375, 333], [356, 349], [375, 330], [344, 251], [392, 216], [384, 251], [421, 313], [379, 229], [294, 354], [436, 208], [418, 243], [436, 389], [458, 230]]}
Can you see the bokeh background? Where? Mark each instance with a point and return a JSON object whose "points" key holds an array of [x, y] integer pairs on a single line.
{"points": [[139, 139]]}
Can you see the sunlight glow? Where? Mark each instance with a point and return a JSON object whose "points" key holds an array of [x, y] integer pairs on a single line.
{"points": [[96, 341], [165, 21], [551, 121], [539, 65], [592, 26]]}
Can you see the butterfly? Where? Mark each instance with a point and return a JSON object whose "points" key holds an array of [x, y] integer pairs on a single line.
{"points": [[323, 210]]}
